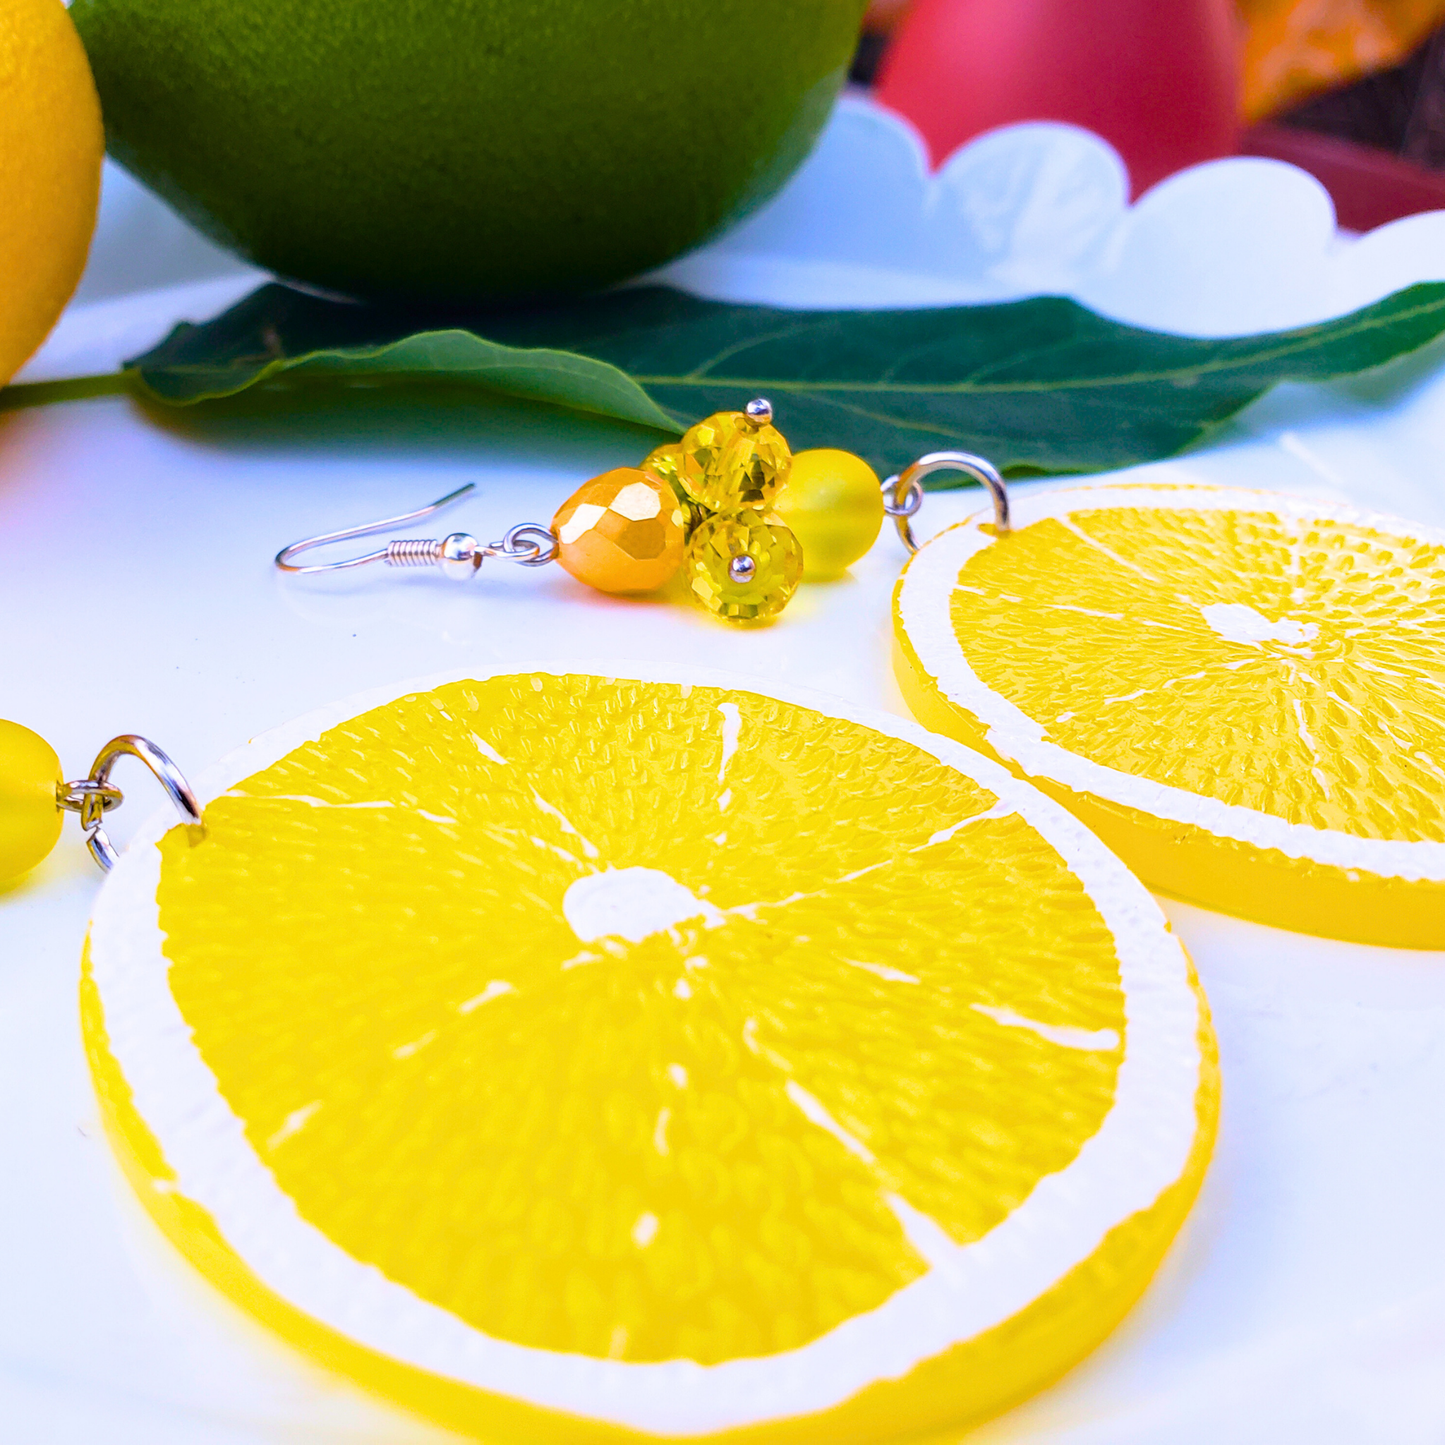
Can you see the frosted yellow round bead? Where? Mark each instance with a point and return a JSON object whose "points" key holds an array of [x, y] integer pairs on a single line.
{"points": [[621, 532], [833, 502], [29, 813], [730, 462], [744, 566], [666, 464]]}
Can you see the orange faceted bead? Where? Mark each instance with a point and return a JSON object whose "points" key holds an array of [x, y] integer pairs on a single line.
{"points": [[621, 532]]}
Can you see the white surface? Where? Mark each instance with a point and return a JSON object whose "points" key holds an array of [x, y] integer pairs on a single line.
{"points": [[1305, 1300], [1141, 1148]]}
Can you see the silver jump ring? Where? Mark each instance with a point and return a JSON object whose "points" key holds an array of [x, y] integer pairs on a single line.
{"points": [[90, 799], [528, 544], [903, 493], [95, 796], [900, 499]]}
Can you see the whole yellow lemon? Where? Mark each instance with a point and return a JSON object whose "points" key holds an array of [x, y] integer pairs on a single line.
{"points": [[51, 145], [833, 501]]}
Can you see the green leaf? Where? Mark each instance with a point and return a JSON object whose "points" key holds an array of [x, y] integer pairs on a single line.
{"points": [[1039, 385], [279, 330]]}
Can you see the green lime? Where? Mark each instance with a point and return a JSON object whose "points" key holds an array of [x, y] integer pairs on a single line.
{"points": [[464, 150]]}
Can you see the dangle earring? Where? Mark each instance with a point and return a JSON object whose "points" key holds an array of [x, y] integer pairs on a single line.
{"points": [[729, 507], [489, 1006]]}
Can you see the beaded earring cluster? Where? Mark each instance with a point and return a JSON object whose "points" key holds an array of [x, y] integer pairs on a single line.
{"points": [[703, 506], [729, 508]]}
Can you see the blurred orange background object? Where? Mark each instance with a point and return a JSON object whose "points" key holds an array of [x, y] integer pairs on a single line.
{"points": [[1294, 48]]}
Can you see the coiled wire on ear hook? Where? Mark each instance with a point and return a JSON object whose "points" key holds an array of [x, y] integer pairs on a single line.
{"points": [[903, 493]]}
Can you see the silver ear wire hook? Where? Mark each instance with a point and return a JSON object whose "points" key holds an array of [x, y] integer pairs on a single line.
{"points": [[903, 493], [459, 555], [395, 553]]}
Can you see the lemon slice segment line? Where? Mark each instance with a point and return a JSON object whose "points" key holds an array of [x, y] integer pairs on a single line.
{"points": [[750, 910], [923, 599], [968, 1288]]}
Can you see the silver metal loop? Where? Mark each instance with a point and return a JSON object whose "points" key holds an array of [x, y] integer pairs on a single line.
{"points": [[903, 494], [346, 534], [95, 796], [528, 544], [90, 799], [902, 499]]}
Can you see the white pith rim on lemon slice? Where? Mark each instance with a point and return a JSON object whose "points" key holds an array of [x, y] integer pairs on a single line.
{"points": [[1141, 1149], [923, 606]]}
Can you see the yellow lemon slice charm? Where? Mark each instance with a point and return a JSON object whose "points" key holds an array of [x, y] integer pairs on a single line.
{"points": [[1239, 691], [583, 1058]]}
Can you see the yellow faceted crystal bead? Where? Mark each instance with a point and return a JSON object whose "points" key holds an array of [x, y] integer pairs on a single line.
{"points": [[731, 462], [744, 566], [621, 532], [29, 811], [834, 503], [666, 464]]}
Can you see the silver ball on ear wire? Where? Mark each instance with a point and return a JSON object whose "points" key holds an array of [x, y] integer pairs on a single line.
{"points": [[459, 556]]}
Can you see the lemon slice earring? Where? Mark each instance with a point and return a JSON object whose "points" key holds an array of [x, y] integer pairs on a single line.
{"points": [[729, 508], [583, 1057], [1239, 691]]}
